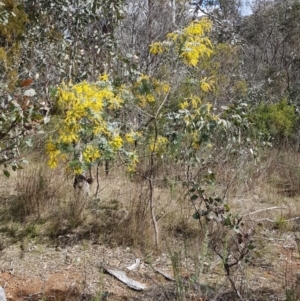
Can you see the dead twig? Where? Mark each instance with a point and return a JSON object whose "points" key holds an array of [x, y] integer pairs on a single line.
{"points": [[265, 209]]}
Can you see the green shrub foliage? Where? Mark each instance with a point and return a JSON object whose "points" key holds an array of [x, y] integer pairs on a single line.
{"points": [[276, 121]]}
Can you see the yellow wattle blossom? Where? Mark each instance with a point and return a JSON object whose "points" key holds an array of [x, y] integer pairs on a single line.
{"points": [[159, 145], [104, 77], [148, 90], [190, 56], [183, 105], [115, 103], [195, 140], [198, 28], [133, 161], [116, 142], [209, 107], [165, 87], [100, 127], [77, 170], [206, 84], [194, 49], [53, 160], [129, 138], [132, 136], [196, 101], [142, 102], [85, 101], [84, 108], [67, 137], [50, 147], [205, 87], [156, 48], [173, 36], [91, 154], [191, 42], [53, 154], [150, 98]]}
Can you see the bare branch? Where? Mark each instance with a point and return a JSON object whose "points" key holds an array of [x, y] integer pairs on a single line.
{"points": [[265, 209]]}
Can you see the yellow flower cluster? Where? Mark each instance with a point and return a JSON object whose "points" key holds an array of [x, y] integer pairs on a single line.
{"points": [[104, 77], [132, 136], [156, 48], [194, 101], [195, 140], [84, 101], [84, 109], [133, 161], [115, 103], [209, 107], [116, 142], [100, 127], [191, 42], [158, 145], [207, 84], [77, 169], [194, 48], [53, 153], [198, 28], [184, 105], [91, 154]]}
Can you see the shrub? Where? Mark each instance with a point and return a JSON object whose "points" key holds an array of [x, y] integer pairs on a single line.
{"points": [[275, 120]]}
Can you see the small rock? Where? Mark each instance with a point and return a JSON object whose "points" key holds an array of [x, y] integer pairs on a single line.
{"points": [[2, 294]]}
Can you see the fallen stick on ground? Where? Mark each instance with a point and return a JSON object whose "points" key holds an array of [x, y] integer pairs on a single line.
{"points": [[120, 275]]}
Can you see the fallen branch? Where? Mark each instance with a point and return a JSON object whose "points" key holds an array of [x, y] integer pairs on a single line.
{"points": [[261, 220], [134, 265], [262, 210], [2, 294], [293, 219], [120, 275], [168, 277]]}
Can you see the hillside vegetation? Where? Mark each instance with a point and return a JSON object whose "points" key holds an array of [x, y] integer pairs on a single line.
{"points": [[160, 134]]}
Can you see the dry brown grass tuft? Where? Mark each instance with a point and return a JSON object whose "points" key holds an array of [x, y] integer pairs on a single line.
{"points": [[33, 191]]}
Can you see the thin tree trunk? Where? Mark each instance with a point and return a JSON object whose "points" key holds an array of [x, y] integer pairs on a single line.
{"points": [[152, 212], [173, 5], [97, 177]]}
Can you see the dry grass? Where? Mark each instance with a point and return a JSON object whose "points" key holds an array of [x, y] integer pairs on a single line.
{"points": [[40, 203]]}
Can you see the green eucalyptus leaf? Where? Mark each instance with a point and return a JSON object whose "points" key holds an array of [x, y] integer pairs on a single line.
{"points": [[6, 173], [251, 247], [196, 215], [226, 207], [194, 197]]}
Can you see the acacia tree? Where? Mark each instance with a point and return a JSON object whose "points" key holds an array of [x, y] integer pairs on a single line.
{"points": [[201, 138], [170, 126], [91, 120]]}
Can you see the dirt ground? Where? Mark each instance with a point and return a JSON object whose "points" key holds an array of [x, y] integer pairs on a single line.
{"points": [[40, 272], [74, 273]]}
